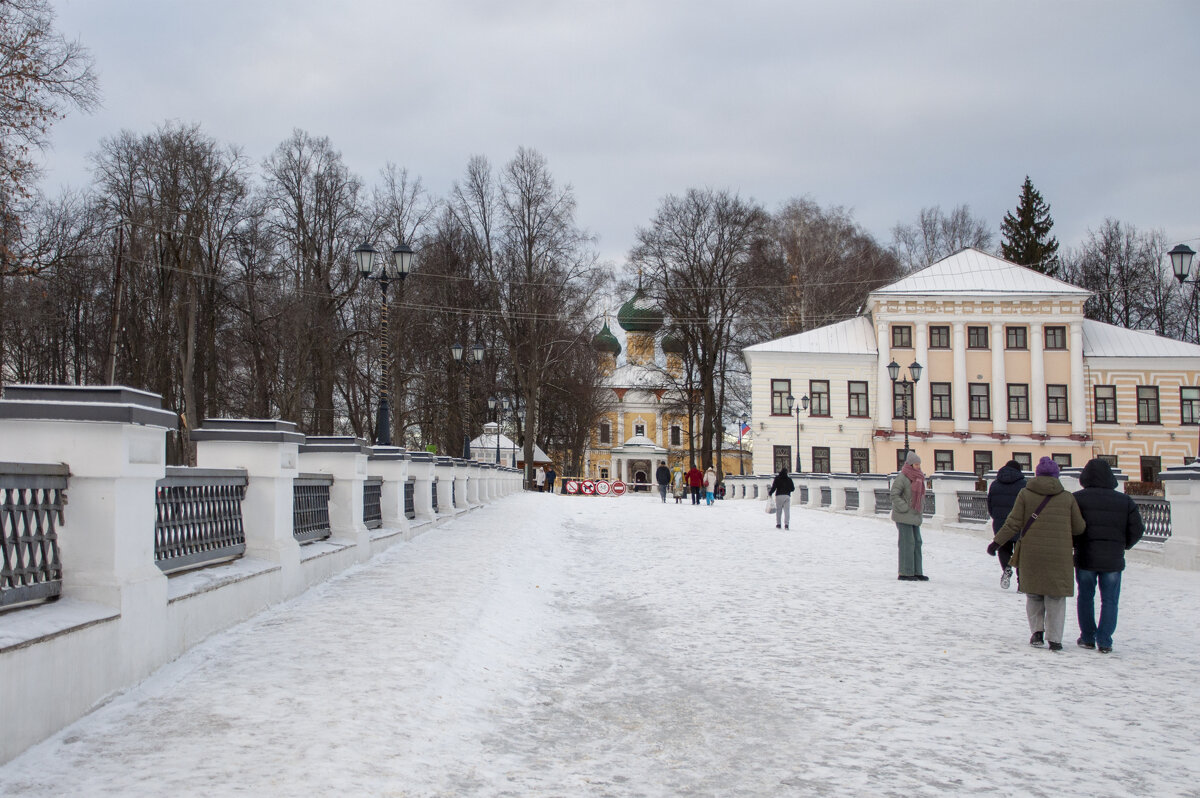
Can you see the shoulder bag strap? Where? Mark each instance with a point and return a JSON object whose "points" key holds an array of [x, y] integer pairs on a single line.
{"points": [[1034, 517]]}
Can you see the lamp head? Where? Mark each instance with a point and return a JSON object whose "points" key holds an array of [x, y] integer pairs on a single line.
{"points": [[457, 351], [914, 369], [477, 352], [364, 254], [804, 400], [791, 402], [893, 370], [1181, 261], [402, 257]]}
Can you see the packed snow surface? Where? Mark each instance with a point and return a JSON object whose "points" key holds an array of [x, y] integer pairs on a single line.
{"points": [[553, 645]]}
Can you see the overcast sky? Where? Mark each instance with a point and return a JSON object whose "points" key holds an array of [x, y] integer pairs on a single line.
{"points": [[884, 107]]}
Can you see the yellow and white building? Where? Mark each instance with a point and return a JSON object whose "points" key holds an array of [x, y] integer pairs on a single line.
{"points": [[1010, 369]]}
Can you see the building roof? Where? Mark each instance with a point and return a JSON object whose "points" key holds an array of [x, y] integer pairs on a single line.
{"points": [[484, 448], [1109, 340], [630, 375], [851, 337], [975, 273]]}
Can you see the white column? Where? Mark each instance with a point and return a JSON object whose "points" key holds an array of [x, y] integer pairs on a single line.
{"points": [[345, 458], [1037, 379], [619, 433], [999, 380], [961, 378], [658, 429], [1078, 389], [1182, 486], [884, 405], [921, 389]]}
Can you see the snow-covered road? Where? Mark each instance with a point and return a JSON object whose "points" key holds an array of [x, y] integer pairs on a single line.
{"points": [[549, 645]]}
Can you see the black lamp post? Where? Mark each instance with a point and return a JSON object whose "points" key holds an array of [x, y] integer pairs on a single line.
{"points": [[791, 402], [496, 407], [476, 356], [914, 370], [398, 267], [1181, 264], [741, 422]]}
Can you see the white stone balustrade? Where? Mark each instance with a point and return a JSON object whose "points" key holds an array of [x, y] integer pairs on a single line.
{"points": [[1182, 488]]}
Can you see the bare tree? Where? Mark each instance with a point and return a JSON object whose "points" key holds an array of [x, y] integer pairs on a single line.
{"points": [[936, 235]]}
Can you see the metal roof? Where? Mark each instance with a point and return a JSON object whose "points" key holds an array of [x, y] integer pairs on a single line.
{"points": [[1109, 340], [851, 337], [972, 272]]}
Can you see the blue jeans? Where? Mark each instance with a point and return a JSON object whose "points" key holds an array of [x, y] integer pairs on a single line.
{"points": [[1085, 605]]}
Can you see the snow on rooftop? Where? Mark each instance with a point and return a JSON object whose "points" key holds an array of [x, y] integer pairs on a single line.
{"points": [[972, 272], [1108, 340], [851, 337]]}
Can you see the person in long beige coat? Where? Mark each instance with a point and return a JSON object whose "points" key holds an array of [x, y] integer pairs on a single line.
{"points": [[1043, 557]]}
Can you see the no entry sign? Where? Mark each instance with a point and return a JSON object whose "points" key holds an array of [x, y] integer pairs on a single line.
{"points": [[618, 488]]}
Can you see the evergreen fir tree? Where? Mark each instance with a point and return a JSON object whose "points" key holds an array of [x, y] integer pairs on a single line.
{"points": [[1026, 233]]}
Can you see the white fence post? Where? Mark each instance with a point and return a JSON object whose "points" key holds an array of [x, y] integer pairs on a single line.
{"points": [[345, 459], [1182, 486]]}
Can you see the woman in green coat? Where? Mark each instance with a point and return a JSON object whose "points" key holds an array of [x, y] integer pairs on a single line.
{"points": [[1043, 557], [908, 502]]}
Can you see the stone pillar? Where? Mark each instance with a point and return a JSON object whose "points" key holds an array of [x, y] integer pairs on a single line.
{"points": [[946, 485], [462, 501], [268, 451], [1182, 487], [345, 459], [420, 470], [443, 470], [391, 463], [838, 483], [867, 485]]}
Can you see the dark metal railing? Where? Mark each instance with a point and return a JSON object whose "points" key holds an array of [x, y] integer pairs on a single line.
{"points": [[883, 501], [198, 517], [410, 500], [31, 507], [372, 495], [310, 507], [826, 497], [972, 506], [1156, 517], [433, 488], [851, 498], [804, 494], [454, 493], [930, 505]]}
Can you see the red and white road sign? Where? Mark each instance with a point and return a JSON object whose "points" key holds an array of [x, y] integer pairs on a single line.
{"points": [[618, 488], [572, 487], [602, 487], [589, 487]]}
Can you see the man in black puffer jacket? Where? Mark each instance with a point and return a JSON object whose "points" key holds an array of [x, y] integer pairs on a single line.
{"points": [[1000, 499], [1114, 525]]}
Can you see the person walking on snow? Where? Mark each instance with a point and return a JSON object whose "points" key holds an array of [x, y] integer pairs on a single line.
{"points": [[1044, 520], [1000, 499], [539, 478], [710, 485], [551, 475], [1114, 526], [695, 482], [782, 489], [678, 489], [662, 476], [908, 502]]}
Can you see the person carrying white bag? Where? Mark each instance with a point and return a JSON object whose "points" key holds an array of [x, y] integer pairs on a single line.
{"points": [[782, 489]]}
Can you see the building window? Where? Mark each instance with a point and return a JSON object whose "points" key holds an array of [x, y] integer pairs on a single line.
{"points": [[1147, 396], [820, 459], [780, 391], [1150, 466], [1106, 404], [901, 336], [1018, 402], [1056, 403], [902, 400], [860, 461], [639, 430], [900, 455], [818, 391], [605, 433], [977, 338], [940, 404], [603, 473], [983, 462], [859, 406], [1189, 405], [1063, 460], [980, 394], [943, 460], [676, 435], [1016, 338], [1024, 459], [1111, 459], [783, 458], [939, 337], [1056, 337]]}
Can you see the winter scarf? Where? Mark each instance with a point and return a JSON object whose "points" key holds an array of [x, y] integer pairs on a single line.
{"points": [[917, 478]]}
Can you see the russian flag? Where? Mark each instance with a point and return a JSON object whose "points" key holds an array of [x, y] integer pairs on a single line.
{"points": [[744, 431]]}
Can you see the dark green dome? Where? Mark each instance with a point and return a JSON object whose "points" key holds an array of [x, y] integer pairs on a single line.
{"points": [[605, 341], [640, 315], [672, 344]]}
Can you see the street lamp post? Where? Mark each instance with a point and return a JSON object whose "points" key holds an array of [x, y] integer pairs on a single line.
{"points": [[741, 422], [398, 267], [1181, 264], [496, 407], [914, 370], [476, 356], [791, 401]]}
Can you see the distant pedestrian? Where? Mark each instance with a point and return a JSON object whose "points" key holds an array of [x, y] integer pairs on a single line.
{"points": [[1000, 499], [1044, 519], [551, 475], [695, 479], [662, 475], [678, 488], [1114, 526], [539, 478], [782, 489], [908, 503], [710, 485]]}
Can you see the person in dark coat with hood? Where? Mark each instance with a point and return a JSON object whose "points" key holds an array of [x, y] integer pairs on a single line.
{"points": [[1114, 525], [782, 489], [1000, 499], [662, 475]]}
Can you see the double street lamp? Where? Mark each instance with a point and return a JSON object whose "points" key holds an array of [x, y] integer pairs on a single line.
{"points": [[397, 268], [914, 370], [477, 351], [791, 402], [496, 406]]}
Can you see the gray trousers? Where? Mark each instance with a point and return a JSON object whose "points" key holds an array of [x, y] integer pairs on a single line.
{"points": [[1046, 614], [909, 545], [783, 507]]}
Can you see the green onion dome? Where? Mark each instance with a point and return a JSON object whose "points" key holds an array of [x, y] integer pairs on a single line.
{"points": [[605, 341], [640, 315], [672, 344]]}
